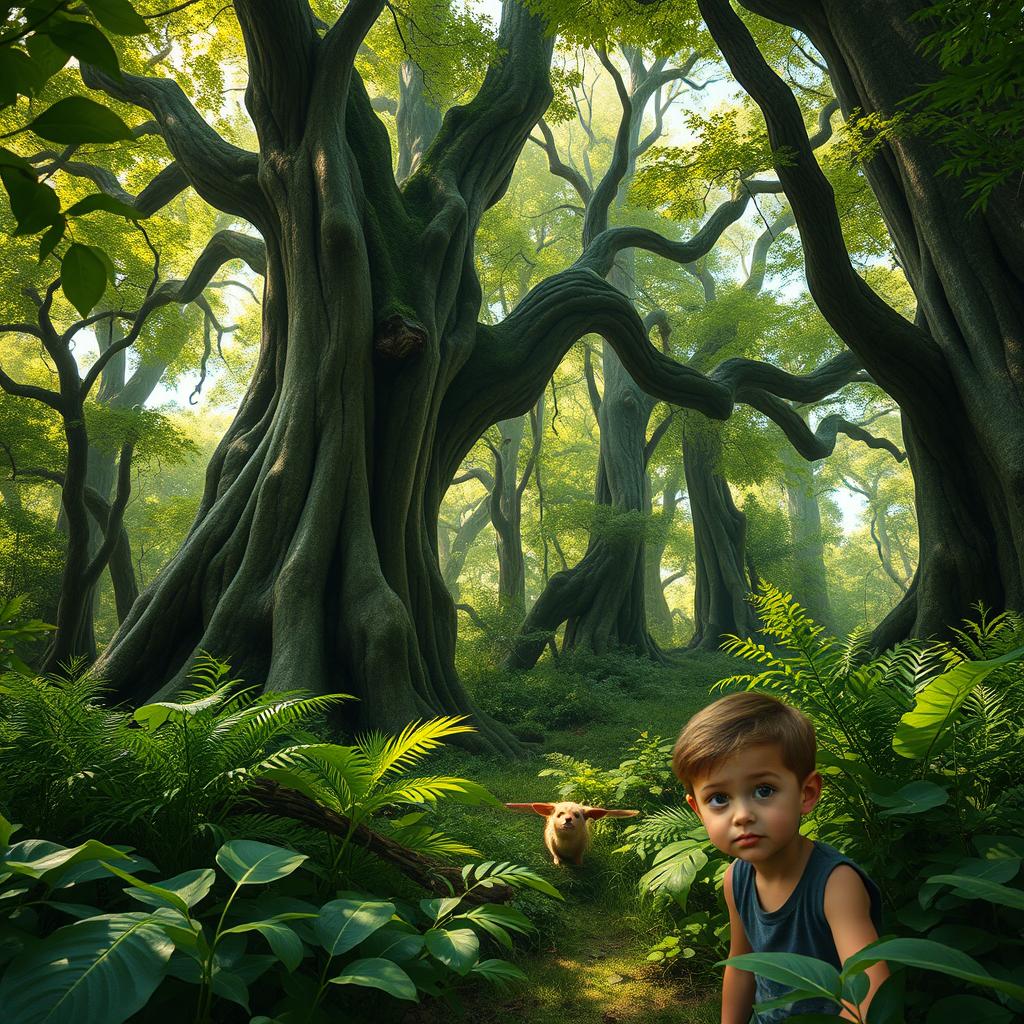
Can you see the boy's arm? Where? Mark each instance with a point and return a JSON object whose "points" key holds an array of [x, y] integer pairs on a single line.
{"points": [[737, 986], [848, 912]]}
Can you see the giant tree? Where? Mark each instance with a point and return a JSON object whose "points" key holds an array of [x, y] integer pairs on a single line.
{"points": [[956, 372], [313, 560]]}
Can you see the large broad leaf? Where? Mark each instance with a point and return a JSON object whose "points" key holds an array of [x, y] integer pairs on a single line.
{"points": [[499, 972], [152, 716], [108, 204], [180, 892], [913, 798], [397, 941], [675, 868], [981, 889], [803, 973], [117, 16], [100, 970], [377, 973], [76, 119], [34, 205], [458, 948], [248, 862], [343, 924], [85, 42], [287, 946], [930, 956], [38, 858], [83, 277], [935, 705]]}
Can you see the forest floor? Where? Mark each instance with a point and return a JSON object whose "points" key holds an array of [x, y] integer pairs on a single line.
{"points": [[588, 962]]}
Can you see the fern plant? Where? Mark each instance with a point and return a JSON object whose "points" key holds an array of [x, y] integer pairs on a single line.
{"points": [[369, 780], [164, 777]]}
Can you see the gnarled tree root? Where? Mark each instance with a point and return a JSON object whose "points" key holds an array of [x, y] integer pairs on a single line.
{"points": [[434, 877]]}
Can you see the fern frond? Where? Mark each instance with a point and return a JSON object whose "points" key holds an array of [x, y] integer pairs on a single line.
{"points": [[387, 754]]}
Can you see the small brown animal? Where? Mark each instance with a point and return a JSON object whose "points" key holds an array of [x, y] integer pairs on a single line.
{"points": [[567, 832]]}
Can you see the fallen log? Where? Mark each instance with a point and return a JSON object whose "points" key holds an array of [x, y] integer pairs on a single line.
{"points": [[435, 877]]}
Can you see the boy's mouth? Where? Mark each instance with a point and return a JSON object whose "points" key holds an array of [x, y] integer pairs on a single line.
{"points": [[747, 839]]}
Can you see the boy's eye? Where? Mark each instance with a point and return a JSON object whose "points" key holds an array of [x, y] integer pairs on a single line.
{"points": [[763, 790], [717, 800]]}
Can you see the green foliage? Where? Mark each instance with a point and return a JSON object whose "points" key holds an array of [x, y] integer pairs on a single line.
{"points": [[75, 767], [974, 107], [37, 42], [15, 633], [106, 966]]}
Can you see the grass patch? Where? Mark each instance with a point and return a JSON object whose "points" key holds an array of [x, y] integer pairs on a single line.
{"points": [[588, 961]]}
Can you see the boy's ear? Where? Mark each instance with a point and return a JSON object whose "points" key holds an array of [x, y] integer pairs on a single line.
{"points": [[692, 801], [810, 792]]}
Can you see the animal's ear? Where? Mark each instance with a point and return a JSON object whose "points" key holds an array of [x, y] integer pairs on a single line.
{"points": [[601, 812], [542, 809]]}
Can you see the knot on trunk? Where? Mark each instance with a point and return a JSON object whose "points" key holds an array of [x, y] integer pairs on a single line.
{"points": [[397, 337]]}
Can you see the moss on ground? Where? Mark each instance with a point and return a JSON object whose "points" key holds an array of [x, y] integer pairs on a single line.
{"points": [[588, 961]]}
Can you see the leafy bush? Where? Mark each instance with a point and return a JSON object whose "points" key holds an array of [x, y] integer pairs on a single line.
{"points": [[106, 967], [578, 688]]}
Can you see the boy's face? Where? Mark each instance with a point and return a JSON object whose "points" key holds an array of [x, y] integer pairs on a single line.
{"points": [[751, 804]]}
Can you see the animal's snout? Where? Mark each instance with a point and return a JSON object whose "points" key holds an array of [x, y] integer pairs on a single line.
{"points": [[568, 823]]}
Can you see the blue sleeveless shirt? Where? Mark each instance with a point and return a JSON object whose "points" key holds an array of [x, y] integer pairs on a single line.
{"points": [[798, 926]]}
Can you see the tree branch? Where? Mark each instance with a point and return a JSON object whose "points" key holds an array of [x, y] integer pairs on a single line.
{"points": [[891, 348], [224, 175]]}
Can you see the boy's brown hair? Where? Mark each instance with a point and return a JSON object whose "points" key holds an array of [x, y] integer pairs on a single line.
{"points": [[741, 720]]}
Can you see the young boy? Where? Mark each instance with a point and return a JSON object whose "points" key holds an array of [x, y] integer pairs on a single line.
{"points": [[748, 764]]}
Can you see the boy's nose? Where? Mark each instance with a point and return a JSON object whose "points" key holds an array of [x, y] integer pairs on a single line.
{"points": [[742, 814]]}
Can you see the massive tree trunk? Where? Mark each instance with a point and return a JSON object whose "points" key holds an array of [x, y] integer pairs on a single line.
{"points": [[612, 607], [313, 558], [958, 373], [719, 536]]}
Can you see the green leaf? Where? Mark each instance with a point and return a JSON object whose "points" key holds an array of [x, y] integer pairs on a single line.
{"points": [[376, 973], [458, 948], [343, 924], [930, 956], [102, 969], [152, 716], [498, 972], [50, 864], [913, 798], [397, 940], [6, 830], [181, 892], [84, 42], [117, 16], [34, 205], [77, 119], [108, 204], [48, 57], [936, 703], [19, 75], [52, 236], [248, 862], [799, 972], [957, 1009], [287, 946], [981, 889], [83, 277]]}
